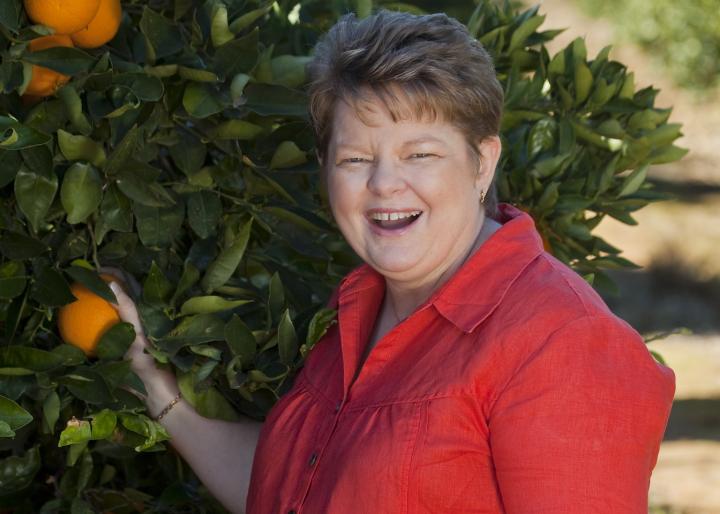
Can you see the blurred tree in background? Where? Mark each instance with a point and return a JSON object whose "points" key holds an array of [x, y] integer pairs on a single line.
{"points": [[685, 36], [180, 152]]}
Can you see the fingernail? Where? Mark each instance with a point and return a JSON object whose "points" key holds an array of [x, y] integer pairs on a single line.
{"points": [[113, 286]]}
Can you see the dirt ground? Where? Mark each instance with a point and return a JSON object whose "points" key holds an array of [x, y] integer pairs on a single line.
{"points": [[676, 243]]}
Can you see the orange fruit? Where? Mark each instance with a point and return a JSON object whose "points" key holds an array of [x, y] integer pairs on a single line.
{"points": [[83, 322], [102, 28], [63, 16], [44, 81]]}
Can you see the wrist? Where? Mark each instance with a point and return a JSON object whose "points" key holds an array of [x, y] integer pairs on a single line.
{"points": [[159, 396]]}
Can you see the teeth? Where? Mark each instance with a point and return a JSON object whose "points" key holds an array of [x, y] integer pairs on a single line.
{"points": [[392, 216]]}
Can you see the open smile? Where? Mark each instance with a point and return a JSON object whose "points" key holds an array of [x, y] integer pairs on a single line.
{"points": [[392, 223]]}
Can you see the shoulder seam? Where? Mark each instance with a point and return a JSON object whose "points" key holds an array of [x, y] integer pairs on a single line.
{"points": [[555, 266]]}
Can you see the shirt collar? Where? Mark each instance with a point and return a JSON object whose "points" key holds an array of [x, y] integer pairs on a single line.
{"points": [[480, 284]]}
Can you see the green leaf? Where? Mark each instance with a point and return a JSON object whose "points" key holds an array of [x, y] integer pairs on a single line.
{"points": [[76, 431], [240, 339], [583, 82], [189, 277], [632, 182], [204, 210], [289, 70], [12, 279], [549, 197], [524, 31], [123, 152], [69, 355], [80, 148], [202, 100], [10, 162], [197, 75], [287, 339], [26, 357], [116, 341], [222, 268], [67, 60], [188, 154], [269, 100], [219, 30], [363, 8], [74, 109], [10, 14], [208, 402], [81, 192], [102, 424], [158, 226], [250, 17], [50, 288], [200, 328], [287, 155], [87, 385], [5, 430], [51, 411], [276, 296], [14, 245], [136, 182], [115, 213], [156, 288], [668, 154], [145, 87], [34, 192], [11, 413], [319, 325], [209, 304], [19, 471], [237, 87], [161, 34], [237, 56], [91, 280], [237, 129]]}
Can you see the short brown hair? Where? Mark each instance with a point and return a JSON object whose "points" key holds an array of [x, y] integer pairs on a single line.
{"points": [[431, 60]]}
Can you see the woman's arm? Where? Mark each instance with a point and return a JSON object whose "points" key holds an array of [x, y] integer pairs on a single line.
{"points": [[577, 429], [219, 452]]}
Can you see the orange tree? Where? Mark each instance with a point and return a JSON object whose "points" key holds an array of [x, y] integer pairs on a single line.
{"points": [[180, 152]]}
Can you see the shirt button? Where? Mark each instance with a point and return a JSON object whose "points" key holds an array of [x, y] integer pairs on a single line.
{"points": [[337, 406], [291, 512], [313, 459]]}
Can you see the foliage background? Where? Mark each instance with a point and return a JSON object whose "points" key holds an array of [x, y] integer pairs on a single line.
{"points": [[683, 36], [181, 153]]}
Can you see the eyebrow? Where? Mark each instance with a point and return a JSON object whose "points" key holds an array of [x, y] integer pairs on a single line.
{"points": [[418, 140], [423, 139]]}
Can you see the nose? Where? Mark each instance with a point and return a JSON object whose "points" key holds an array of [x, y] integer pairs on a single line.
{"points": [[385, 178]]}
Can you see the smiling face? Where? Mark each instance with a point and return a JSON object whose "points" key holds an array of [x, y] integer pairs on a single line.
{"points": [[406, 194]]}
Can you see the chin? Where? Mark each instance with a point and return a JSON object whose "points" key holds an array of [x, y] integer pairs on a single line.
{"points": [[392, 266]]}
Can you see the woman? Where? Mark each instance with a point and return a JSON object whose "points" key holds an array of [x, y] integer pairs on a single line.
{"points": [[469, 370]]}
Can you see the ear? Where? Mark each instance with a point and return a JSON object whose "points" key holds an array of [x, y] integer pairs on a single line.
{"points": [[489, 150]]}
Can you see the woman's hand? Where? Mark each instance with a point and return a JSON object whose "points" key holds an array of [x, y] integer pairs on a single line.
{"points": [[161, 384]]}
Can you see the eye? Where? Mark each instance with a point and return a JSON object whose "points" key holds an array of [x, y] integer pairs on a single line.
{"points": [[421, 155], [352, 160]]}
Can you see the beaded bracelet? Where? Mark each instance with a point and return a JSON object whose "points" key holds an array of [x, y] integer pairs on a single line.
{"points": [[169, 407]]}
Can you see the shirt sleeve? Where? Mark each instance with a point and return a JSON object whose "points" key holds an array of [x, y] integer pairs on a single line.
{"points": [[577, 429]]}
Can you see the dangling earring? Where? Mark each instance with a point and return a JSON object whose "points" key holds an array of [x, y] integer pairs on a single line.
{"points": [[482, 196]]}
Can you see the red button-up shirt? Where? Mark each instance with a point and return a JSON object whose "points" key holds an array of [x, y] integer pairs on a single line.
{"points": [[512, 389]]}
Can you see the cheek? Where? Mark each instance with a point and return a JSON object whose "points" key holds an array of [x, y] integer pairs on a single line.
{"points": [[340, 196]]}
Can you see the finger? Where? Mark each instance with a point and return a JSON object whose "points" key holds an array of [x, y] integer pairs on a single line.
{"points": [[126, 280], [126, 308]]}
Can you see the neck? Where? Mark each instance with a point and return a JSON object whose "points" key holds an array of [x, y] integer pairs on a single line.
{"points": [[401, 299]]}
